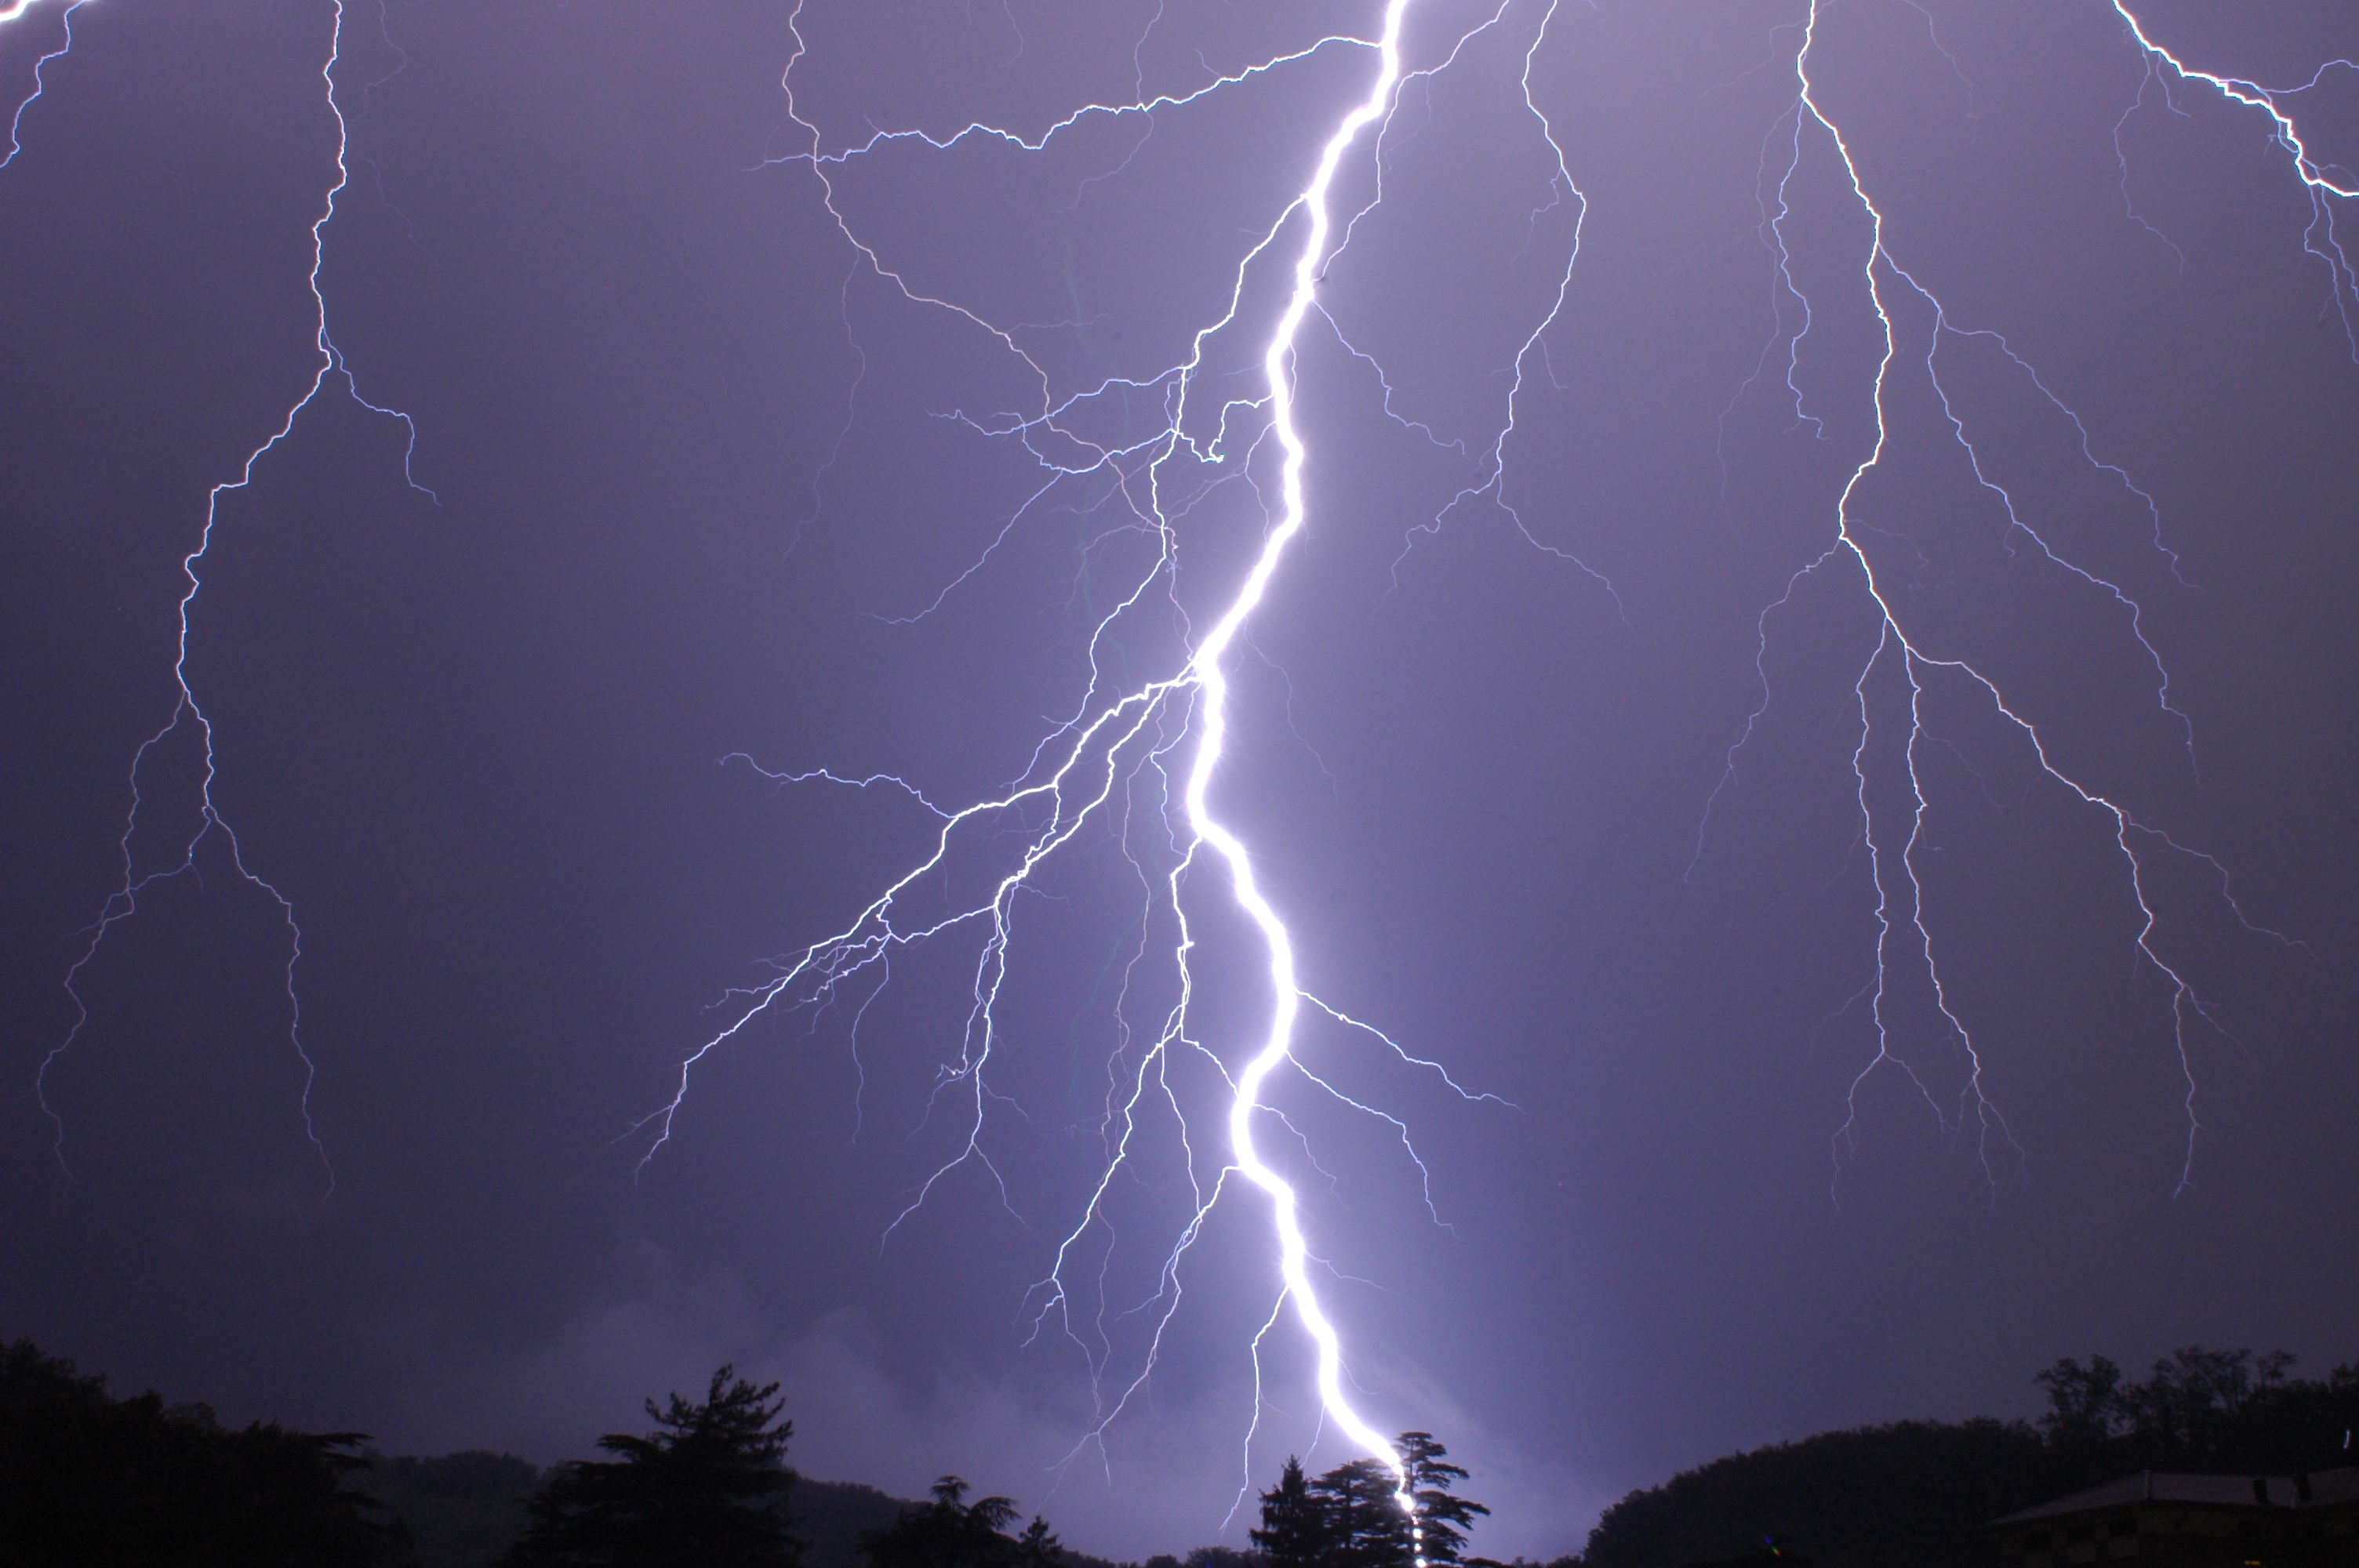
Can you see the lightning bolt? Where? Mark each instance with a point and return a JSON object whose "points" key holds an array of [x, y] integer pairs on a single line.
{"points": [[1125, 735], [1138, 762], [16, 11], [1173, 733], [2319, 180], [1210, 674], [1903, 938], [188, 716]]}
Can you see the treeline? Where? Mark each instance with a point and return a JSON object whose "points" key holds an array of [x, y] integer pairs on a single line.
{"points": [[1920, 1492], [90, 1480], [1361, 1515], [462, 1510], [94, 1481]]}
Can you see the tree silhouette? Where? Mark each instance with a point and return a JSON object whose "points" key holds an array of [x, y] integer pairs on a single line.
{"points": [[1351, 1515], [950, 1532], [1036, 1548], [1921, 1492], [1223, 1557], [2083, 1402], [86, 1478], [707, 1490], [1294, 1531], [1366, 1525], [1442, 1518], [2202, 1408], [2191, 1403]]}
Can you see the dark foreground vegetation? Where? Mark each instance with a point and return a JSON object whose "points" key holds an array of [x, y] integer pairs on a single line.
{"points": [[93, 1481], [1920, 1492]]}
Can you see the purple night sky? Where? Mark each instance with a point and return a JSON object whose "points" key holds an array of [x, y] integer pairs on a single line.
{"points": [[707, 494]]}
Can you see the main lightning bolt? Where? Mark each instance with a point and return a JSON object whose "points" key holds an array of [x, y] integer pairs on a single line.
{"points": [[1209, 672], [1083, 773]]}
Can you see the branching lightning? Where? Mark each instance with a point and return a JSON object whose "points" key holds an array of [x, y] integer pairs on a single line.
{"points": [[1175, 729], [2320, 180], [1903, 937], [188, 715], [1118, 738], [1140, 760]]}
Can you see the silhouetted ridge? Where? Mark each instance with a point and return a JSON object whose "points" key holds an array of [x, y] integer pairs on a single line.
{"points": [[1922, 1493]]}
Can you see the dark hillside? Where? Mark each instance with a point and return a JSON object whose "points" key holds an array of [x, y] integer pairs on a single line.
{"points": [[1914, 1492], [1920, 1492], [460, 1510], [454, 1510], [830, 1515]]}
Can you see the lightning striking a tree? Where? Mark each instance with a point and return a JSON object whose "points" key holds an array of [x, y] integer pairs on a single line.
{"points": [[1140, 766]]}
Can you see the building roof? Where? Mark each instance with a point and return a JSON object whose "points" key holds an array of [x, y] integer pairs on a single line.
{"points": [[2202, 1491]]}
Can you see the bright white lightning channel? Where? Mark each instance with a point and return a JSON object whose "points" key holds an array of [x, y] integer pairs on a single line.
{"points": [[1212, 679], [1087, 766]]}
